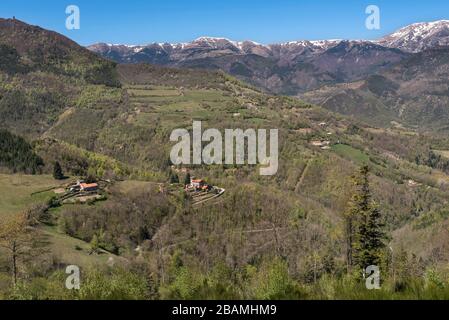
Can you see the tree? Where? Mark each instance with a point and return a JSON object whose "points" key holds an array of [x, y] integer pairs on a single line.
{"points": [[357, 204], [174, 177], [371, 238], [363, 225], [187, 179], [20, 241], [57, 171], [271, 281], [95, 244]]}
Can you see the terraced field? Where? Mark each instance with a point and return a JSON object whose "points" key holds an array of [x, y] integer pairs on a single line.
{"points": [[172, 107], [200, 198]]}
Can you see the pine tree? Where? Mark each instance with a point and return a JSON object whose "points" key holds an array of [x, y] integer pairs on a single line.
{"points": [[363, 225], [57, 171], [371, 236]]}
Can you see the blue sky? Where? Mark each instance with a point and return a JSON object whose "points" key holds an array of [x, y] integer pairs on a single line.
{"points": [[264, 21]]}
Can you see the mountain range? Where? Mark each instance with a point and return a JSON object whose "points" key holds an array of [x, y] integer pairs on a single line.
{"points": [[290, 67]]}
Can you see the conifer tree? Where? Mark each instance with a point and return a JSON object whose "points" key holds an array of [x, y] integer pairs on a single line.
{"points": [[363, 225], [371, 236]]}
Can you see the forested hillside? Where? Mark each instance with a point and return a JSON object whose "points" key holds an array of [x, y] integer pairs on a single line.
{"points": [[42, 73], [18, 155]]}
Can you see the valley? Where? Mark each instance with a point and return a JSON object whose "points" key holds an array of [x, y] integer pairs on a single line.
{"points": [[245, 236]]}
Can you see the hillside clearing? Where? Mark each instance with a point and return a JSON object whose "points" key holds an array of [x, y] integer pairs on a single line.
{"points": [[18, 192]]}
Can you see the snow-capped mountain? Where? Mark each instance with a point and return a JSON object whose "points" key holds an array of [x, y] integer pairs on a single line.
{"points": [[413, 38], [419, 36], [211, 46], [291, 67]]}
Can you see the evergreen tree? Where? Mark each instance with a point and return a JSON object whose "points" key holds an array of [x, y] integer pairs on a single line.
{"points": [[363, 225], [57, 171], [371, 236]]}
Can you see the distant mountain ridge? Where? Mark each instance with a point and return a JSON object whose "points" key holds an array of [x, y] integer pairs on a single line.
{"points": [[288, 68], [413, 38], [291, 67]]}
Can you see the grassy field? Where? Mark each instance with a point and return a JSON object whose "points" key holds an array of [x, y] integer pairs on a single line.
{"points": [[128, 186], [18, 192], [70, 250], [350, 153]]}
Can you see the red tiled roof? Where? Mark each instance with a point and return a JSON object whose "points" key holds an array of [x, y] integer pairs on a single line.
{"points": [[88, 185]]}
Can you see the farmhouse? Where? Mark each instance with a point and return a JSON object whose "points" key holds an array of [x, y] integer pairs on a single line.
{"points": [[197, 183], [320, 143], [88, 186]]}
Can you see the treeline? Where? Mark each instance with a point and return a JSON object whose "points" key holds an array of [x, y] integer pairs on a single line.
{"points": [[17, 154]]}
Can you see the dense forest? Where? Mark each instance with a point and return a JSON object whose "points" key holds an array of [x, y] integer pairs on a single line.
{"points": [[17, 155]]}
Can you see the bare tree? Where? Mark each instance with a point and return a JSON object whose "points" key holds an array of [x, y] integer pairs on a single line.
{"points": [[20, 241]]}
